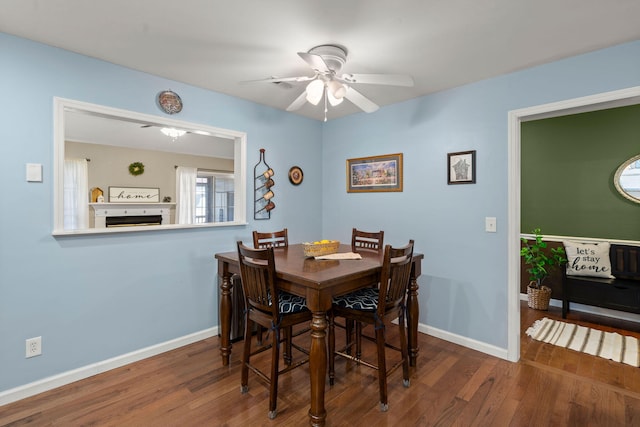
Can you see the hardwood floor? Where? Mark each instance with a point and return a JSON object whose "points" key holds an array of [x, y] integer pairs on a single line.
{"points": [[451, 386]]}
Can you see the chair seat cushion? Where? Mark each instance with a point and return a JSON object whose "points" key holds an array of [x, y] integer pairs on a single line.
{"points": [[365, 299], [290, 303]]}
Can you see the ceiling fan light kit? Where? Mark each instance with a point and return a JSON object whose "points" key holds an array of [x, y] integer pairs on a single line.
{"points": [[333, 100], [314, 90], [327, 62], [173, 133], [337, 89]]}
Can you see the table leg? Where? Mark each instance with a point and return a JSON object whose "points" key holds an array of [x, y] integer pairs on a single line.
{"points": [[318, 368], [225, 318], [413, 315]]}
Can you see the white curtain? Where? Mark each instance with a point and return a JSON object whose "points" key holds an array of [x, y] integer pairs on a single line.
{"points": [[76, 194], [186, 194]]}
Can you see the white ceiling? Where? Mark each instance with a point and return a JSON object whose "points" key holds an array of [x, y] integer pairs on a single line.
{"points": [[215, 44], [91, 128]]}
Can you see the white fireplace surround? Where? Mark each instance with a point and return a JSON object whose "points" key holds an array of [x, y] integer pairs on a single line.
{"points": [[103, 210]]}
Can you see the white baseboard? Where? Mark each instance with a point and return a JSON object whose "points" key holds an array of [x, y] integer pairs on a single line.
{"points": [[460, 340], [464, 341], [68, 377], [623, 315]]}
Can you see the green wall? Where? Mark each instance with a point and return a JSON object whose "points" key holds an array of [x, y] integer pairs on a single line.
{"points": [[568, 164]]}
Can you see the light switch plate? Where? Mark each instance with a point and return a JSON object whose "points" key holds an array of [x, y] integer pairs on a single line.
{"points": [[34, 172], [490, 224]]}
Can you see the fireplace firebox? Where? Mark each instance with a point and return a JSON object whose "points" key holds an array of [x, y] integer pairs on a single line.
{"points": [[133, 220], [131, 214]]}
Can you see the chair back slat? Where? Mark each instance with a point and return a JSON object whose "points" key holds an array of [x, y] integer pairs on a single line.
{"points": [[258, 273], [395, 276], [273, 239], [365, 240]]}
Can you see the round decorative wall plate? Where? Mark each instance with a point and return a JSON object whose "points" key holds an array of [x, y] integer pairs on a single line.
{"points": [[169, 102], [295, 175]]}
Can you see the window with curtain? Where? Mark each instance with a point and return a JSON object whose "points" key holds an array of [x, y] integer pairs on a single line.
{"points": [[203, 196], [214, 197], [76, 194], [185, 194]]}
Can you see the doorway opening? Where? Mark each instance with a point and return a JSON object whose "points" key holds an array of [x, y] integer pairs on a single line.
{"points": [[619, 98]]}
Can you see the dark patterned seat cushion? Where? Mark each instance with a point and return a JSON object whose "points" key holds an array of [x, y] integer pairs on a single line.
{"points": [[365, 299], [290, 303]]}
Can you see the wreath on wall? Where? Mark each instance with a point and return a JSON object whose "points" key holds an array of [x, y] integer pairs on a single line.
{"points": [[136, 168]]}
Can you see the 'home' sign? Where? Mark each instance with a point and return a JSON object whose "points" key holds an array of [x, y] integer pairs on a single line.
{"points": [[134, 194]]}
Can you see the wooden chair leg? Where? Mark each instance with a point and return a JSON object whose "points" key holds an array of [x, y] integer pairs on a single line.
{"points": [[348, 327], [358, 340], [332, 348], [273, 385], [382, 368], [404, 347], [287, 353], [244, 381]]}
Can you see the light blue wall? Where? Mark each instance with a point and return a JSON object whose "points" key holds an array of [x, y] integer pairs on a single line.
{"points": [[92, 298], [96, 297], [464, 286]]}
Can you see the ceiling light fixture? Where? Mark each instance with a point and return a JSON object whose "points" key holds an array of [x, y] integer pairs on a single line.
{"points": [[173, 133], [337, 89], [333, 100], [315, 90], [332, 91], [329, 85]]}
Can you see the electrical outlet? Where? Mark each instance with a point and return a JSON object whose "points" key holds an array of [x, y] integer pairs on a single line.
{"points": [[490, 224], [34, 347]]}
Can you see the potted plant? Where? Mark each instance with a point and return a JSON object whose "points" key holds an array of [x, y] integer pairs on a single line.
{"points": [[541, 262]]}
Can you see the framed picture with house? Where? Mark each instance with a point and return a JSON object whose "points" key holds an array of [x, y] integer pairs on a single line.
{"points": [[461, 167]]}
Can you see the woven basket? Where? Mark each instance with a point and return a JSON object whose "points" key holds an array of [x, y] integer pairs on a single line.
{"points": [[539, 298], [321, 248]]}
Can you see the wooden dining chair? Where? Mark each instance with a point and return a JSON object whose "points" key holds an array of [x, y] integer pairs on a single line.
{"points": [[273, 239], [377, 307], [270, 308], [366, 240]]}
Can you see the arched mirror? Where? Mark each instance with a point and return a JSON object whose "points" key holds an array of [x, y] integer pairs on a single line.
{"points": [[627, 179], [118, 171]]}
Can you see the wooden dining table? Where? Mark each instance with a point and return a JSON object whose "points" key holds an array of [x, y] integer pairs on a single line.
{"points": [[318, 281]]}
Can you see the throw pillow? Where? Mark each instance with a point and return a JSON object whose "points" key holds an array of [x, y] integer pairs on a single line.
{"points": [[588, 259]]}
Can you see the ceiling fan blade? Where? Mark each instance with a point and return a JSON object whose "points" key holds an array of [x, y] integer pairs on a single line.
{"points": [[315, 62], [281, 79], [378, 79], [298, 102], [360, 101]]}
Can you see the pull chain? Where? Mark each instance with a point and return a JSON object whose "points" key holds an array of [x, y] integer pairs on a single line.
{"points": [[326, 89]]}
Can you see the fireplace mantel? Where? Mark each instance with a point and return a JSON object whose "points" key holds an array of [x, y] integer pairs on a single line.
{"points": [[103, 210]]}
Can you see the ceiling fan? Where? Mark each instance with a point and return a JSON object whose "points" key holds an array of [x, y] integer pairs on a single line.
{"points": [[171, 132], [328, 85]]}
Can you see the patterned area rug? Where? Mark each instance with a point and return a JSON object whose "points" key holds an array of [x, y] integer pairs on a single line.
{"points": [[609, 345]]}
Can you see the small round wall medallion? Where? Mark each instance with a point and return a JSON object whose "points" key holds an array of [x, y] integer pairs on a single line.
{"points": [[295, 175], [169, 102]]}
